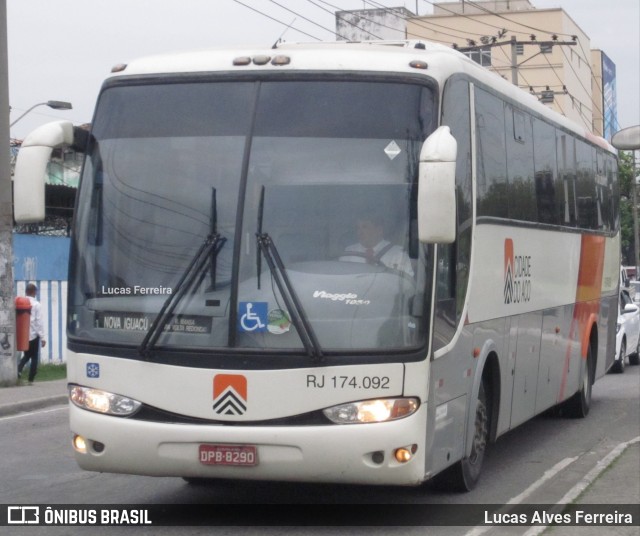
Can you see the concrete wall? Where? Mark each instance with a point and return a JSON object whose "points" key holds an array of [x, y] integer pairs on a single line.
{"points": [[372, 24], [40, 257]]}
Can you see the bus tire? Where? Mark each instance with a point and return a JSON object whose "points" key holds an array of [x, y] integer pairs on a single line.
{"points": [[618, 366], [578, 405], [634, 358], [464, 475]]}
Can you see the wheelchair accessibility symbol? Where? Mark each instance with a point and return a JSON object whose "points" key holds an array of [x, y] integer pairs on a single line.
{"points": [[252, 316]]}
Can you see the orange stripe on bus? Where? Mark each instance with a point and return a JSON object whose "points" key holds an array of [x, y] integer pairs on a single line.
{"points": [[587, 305]]}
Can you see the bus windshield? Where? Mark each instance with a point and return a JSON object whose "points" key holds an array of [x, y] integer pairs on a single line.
{"points": [[308, 188]]}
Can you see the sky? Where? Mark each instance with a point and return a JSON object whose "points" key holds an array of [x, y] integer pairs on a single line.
{"points": [[64, 49]]}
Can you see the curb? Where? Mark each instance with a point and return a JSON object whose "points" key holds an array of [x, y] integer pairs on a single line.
{"points": [[30, 405]]}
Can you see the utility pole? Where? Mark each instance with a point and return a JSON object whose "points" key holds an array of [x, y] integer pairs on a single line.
{"points": [[514, 60], [8, 369], [513, 43]]}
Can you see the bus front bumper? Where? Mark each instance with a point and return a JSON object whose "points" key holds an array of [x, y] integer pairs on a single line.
{"points": [[357, 453]]}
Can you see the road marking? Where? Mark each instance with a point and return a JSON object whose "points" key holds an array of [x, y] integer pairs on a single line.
{"points": [[548, 474], [30, 413], [576, 490], [570, 496]]}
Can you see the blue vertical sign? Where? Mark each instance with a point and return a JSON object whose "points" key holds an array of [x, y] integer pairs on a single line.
{"points": [[252, 316], [609, 100]]}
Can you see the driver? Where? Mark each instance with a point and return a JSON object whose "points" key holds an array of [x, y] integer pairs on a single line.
{"points": [[372, 247]]}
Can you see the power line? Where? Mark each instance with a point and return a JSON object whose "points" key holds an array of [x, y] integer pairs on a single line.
{"points": [[584, 57], [455, 14], [595, 80], [306, 18], [521, 74], [482, 8], [588, 91], [377, 23], [345, 20], [417, 23], [277, 20]]}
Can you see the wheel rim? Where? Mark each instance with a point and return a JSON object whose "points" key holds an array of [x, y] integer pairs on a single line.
{"points": [[481, 432]]}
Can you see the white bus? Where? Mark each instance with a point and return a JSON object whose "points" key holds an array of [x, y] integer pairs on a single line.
{"points": [[336, 262]]}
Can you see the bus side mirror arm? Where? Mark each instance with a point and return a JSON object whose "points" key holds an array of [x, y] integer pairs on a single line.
{"points": [[31, 169], [437, 188]]}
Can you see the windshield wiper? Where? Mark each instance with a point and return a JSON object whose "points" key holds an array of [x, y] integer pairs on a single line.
{"points": [[208, 252], [299, 318]]}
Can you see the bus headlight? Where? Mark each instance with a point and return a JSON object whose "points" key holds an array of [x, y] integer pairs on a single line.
{"points": [[103, 401], [367, 411]]}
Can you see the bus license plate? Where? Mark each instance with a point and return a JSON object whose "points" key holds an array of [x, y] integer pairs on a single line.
{"points": [[243, 455]]}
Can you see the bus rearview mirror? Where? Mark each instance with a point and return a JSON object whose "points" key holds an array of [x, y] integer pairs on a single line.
{"points": [[437, 188], [31, 169]]}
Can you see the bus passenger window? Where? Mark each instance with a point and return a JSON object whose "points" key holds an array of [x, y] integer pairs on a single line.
{"points": [[548, 194], [565, 152], [586, 186], [522, 205], [493, 198]]}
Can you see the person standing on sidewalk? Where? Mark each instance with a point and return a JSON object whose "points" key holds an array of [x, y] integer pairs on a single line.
{"points": [[36, 335]]}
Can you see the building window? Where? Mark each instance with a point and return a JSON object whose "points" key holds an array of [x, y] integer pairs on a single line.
{"points": [[480, 55]]}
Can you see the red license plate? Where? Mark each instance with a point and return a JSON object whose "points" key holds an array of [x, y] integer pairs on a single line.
{"points": [[243, 455]]}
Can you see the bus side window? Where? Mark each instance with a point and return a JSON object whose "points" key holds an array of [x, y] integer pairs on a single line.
{"points": [[493, 197], [520, 166], [566, 155], [548, 188], [586, 186]]}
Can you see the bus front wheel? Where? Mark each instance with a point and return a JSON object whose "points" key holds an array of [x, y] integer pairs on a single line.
{"points": [[464, 475]]}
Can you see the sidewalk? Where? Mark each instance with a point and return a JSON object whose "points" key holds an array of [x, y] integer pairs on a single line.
{"points": [[614, 481], [618, 483], [31, 397]]}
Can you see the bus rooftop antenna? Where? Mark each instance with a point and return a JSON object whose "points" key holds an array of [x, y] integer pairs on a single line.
{"points": [[279, 40]]}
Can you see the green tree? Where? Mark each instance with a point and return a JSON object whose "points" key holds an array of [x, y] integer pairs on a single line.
{"points": [[625, 174]]}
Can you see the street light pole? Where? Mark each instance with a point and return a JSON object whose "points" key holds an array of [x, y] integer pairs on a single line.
{"points": [[54, 104], [634, 213], [628, 139]]}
